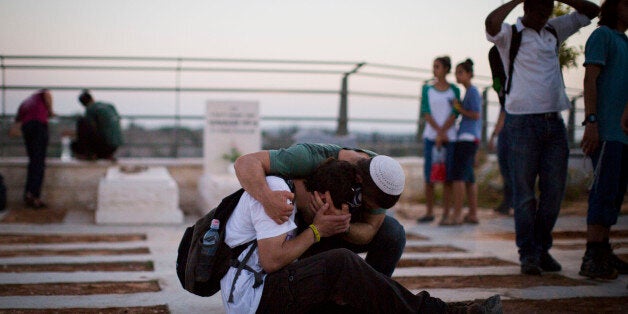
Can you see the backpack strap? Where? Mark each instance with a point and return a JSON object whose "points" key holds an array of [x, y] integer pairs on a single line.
{"points": [[515, 43], [240, 265], [552, 30]]}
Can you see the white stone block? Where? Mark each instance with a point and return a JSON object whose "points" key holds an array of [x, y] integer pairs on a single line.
{"points": [[150, 196], [213, 188]]}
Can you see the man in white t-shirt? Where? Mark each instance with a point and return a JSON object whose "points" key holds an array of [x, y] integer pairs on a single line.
{"points": [[537, 135], [337, 278]]}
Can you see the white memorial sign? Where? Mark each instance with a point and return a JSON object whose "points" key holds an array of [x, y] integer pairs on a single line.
{"points": [[230, 127]]}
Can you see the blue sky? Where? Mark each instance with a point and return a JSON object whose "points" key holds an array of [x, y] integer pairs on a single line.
{"points": [[399, 32]]}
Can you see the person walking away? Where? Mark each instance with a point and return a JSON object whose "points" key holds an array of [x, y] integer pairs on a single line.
{"points": [[33, 113], [605, 96], [466, 147], [535, 97], [437, 110]]}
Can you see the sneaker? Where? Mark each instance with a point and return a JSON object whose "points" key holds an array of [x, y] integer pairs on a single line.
{"points": [[548, 263], [492, 305], [618, 264], [530, 267], [596, 264], [425, 219]]}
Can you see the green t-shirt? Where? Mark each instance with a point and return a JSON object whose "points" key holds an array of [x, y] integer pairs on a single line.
{"points": [[300, 160], [106, 120]]}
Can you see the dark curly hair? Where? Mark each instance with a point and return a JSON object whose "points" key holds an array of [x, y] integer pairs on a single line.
{"points": [[608, 13], [336, 176]]}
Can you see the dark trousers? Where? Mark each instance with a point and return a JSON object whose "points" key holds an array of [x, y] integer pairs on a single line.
{"points": [[382, 253], [35, 135], [343, 278], [537, 149], [504, 168], [89, 143]]}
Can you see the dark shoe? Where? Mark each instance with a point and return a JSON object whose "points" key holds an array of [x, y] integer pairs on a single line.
{"points": [[492, 305], [596, 263], [548, 263], [530, 267], [618, 264], [425, 219], [503, 209]]}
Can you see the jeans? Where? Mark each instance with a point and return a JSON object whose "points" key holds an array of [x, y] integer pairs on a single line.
{"points": [[537, 149], [35, 135], [382, 253], [504, 168], [340, 277]]}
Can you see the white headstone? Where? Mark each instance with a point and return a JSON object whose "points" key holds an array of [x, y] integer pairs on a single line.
{"points": [[230, 126], [146, 196]]}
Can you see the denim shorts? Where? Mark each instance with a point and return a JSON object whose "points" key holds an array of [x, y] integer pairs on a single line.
{"points": [[610, 164], [428, 146], [464, 158]]}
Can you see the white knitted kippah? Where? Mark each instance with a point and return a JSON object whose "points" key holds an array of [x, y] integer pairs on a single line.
{"points": [[387, 174]]}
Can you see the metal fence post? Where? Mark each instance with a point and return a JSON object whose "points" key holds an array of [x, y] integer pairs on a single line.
{"points": [[4, 110], [484, 114], [343, 118], [177, 114]]}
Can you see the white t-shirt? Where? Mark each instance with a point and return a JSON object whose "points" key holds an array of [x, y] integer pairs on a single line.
{"points": [[537, 84], [440, 110], [248, 222]]}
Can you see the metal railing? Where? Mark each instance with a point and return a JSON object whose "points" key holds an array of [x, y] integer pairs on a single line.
{"points": [[179, 76]]}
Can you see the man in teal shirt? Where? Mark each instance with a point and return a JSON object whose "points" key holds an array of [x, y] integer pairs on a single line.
{"points": [[98, 133], [605, 97], [370, 230]]}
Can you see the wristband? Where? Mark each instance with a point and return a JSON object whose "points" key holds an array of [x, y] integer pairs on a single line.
{"points": [[317, 235]]}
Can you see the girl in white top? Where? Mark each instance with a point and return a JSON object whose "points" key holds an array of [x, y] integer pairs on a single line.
{"points": [[437, 110]]}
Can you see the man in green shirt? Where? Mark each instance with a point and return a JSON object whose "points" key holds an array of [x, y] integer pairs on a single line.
{"points": [[98, 133], [370, 229]]}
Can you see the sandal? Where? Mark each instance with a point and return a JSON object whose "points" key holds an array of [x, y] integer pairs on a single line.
{"points": [[470, 220], [425, 219], [450, 222]]}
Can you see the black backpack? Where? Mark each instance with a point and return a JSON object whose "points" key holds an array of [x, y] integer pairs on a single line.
{"points": [[190, 250], [501, 83], [194, 278]]}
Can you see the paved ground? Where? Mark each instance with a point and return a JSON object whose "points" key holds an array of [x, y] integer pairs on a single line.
{"points": [[465, 243]]}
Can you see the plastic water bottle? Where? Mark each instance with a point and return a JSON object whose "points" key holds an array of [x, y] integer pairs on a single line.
{"points": [[208, 249], [438, 154], [211, 238]]}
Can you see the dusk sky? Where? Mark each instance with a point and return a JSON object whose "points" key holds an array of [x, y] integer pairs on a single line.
{"points": [[398, 32]]}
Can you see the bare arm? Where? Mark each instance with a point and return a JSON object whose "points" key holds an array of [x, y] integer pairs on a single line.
{"points": [[362, 232], [473, 115], [591, 138], [499, 125], [276, 252], [251, 170], [494, 20], [48, 102], [587, 8]]}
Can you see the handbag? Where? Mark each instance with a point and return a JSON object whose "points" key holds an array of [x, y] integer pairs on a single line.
{"points": [[15, 129]]}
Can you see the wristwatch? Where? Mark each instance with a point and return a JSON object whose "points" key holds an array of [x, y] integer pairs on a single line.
{"points": [[591, 118]]}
